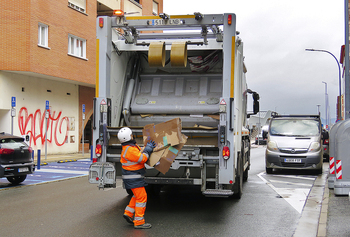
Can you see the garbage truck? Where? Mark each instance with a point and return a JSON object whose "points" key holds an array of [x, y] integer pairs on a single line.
{"points": [[151, 69]]}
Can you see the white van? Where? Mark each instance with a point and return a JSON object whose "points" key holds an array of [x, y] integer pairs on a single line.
{"points": [[294, 142]]}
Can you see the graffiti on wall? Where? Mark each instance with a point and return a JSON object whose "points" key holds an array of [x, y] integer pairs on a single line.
{"points": [[34, 125]]}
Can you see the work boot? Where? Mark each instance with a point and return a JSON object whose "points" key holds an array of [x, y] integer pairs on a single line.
{"points": [[143, 226], [128, 219]]}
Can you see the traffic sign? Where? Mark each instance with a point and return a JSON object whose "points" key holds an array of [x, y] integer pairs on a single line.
{"points": [[47, 105], [13, 101], [83, 108]]}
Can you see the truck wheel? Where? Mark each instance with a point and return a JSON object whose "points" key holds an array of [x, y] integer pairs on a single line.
{"points": [[16, 179], [245, 175], [238, 186]]}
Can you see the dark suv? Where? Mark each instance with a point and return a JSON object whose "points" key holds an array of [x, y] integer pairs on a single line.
{"points": [[15, 158]]}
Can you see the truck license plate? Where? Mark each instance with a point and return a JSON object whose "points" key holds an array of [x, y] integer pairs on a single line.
{"points": [[23, 169], [292, 160], [160, 22]]}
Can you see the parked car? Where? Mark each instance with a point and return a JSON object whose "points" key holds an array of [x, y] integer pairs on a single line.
{"points": [[15, 158], [325, 145], [294, 142]]}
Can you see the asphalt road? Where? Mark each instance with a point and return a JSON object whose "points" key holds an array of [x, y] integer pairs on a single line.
{"points": [[73, 207]]}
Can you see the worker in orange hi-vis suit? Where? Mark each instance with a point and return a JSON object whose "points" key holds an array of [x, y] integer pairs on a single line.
{"points": [[133, 171]]}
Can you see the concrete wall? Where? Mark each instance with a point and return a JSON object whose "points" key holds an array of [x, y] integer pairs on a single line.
{"points": [[31, 94]]}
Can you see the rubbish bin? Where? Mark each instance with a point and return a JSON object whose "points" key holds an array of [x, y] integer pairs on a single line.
{"points": [[342, 159], [332, 154]]}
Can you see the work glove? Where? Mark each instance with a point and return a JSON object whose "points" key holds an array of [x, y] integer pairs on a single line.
{"points": [[149, 148]]}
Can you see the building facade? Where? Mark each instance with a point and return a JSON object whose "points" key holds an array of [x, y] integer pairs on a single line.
{"points": [[48, 60]]}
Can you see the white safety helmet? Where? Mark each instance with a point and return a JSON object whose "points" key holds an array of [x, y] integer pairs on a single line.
{"points": [[124, 135]]}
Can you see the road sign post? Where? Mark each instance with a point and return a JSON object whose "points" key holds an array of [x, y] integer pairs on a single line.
{"points": [[13, 111], [47, 108], [83, 128]]}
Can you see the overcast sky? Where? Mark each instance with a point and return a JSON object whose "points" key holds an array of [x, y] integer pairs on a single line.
{"points": [[275, 34]]}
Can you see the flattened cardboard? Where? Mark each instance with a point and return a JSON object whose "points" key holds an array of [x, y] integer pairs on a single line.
{"points": [[169, 140]]}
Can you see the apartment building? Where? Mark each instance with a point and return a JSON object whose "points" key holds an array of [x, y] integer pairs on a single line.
{"points": [[48, 61]]}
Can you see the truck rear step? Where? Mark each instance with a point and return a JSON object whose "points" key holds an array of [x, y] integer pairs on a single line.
{"points": [[217, 193]]}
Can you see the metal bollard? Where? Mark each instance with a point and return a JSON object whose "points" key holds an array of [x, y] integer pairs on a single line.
{"points": [[91, 152], [38, 160]]}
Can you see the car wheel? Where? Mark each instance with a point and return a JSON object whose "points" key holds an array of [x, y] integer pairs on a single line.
{"points": [[269, 170], [17, 179]]}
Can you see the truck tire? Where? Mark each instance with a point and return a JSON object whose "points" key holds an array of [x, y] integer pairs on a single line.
{"points": [[245, 175], [238, 186], [16, 179]]}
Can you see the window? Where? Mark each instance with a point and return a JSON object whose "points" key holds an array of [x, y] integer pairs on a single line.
{"points": [[155, 8], [43, 35], [76, 46], [79, 5]]}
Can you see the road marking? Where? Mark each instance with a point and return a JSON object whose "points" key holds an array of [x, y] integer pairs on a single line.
{"points": [[62, 171], [294, 177], [296, 197], [285, 182]]}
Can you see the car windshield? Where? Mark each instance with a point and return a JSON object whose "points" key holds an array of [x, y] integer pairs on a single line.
{"points": [[294, 127], [12, 143]]}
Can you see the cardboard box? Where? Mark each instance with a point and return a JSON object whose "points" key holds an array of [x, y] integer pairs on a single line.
{"points": [[169, 141]]}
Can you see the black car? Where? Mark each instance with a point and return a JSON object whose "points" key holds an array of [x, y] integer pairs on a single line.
{"points": [[15, 158]]}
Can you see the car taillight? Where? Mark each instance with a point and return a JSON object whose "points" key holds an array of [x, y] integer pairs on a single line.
{"points": [[30, 149], [326, 142], [6, 151], [226, 152], [94, 160]]}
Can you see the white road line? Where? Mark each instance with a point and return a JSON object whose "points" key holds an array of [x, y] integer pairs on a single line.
{"points": [[296, 197], [62, 171], [284, 182], [294, 177]]}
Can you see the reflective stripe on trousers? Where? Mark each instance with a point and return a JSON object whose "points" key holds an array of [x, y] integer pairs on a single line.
{"points": [[137, 205]]}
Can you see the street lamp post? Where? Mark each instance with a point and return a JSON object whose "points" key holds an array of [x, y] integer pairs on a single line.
{"points": [[326, 104], [325, 51]]}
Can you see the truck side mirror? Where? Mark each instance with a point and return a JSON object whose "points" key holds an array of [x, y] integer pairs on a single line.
{"points": [[256, 106]]}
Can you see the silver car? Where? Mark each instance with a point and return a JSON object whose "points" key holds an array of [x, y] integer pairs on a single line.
{"points": [[294, 142]]}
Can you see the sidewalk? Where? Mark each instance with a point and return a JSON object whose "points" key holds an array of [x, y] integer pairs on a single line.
{"points": [[338, 215], [61, 157]]}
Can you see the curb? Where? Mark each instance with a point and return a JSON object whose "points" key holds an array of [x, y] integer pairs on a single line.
{"points": [[66, 161], [314, 212], [322, 223]]}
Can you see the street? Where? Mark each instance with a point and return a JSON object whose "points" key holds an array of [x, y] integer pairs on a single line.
{"points": [[73, 207]]}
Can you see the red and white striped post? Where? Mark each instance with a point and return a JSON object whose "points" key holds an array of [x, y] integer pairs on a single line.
{"points": [[339, 172]]}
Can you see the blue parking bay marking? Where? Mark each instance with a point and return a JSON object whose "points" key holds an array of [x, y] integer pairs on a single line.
{"points": [[53, 172]]}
